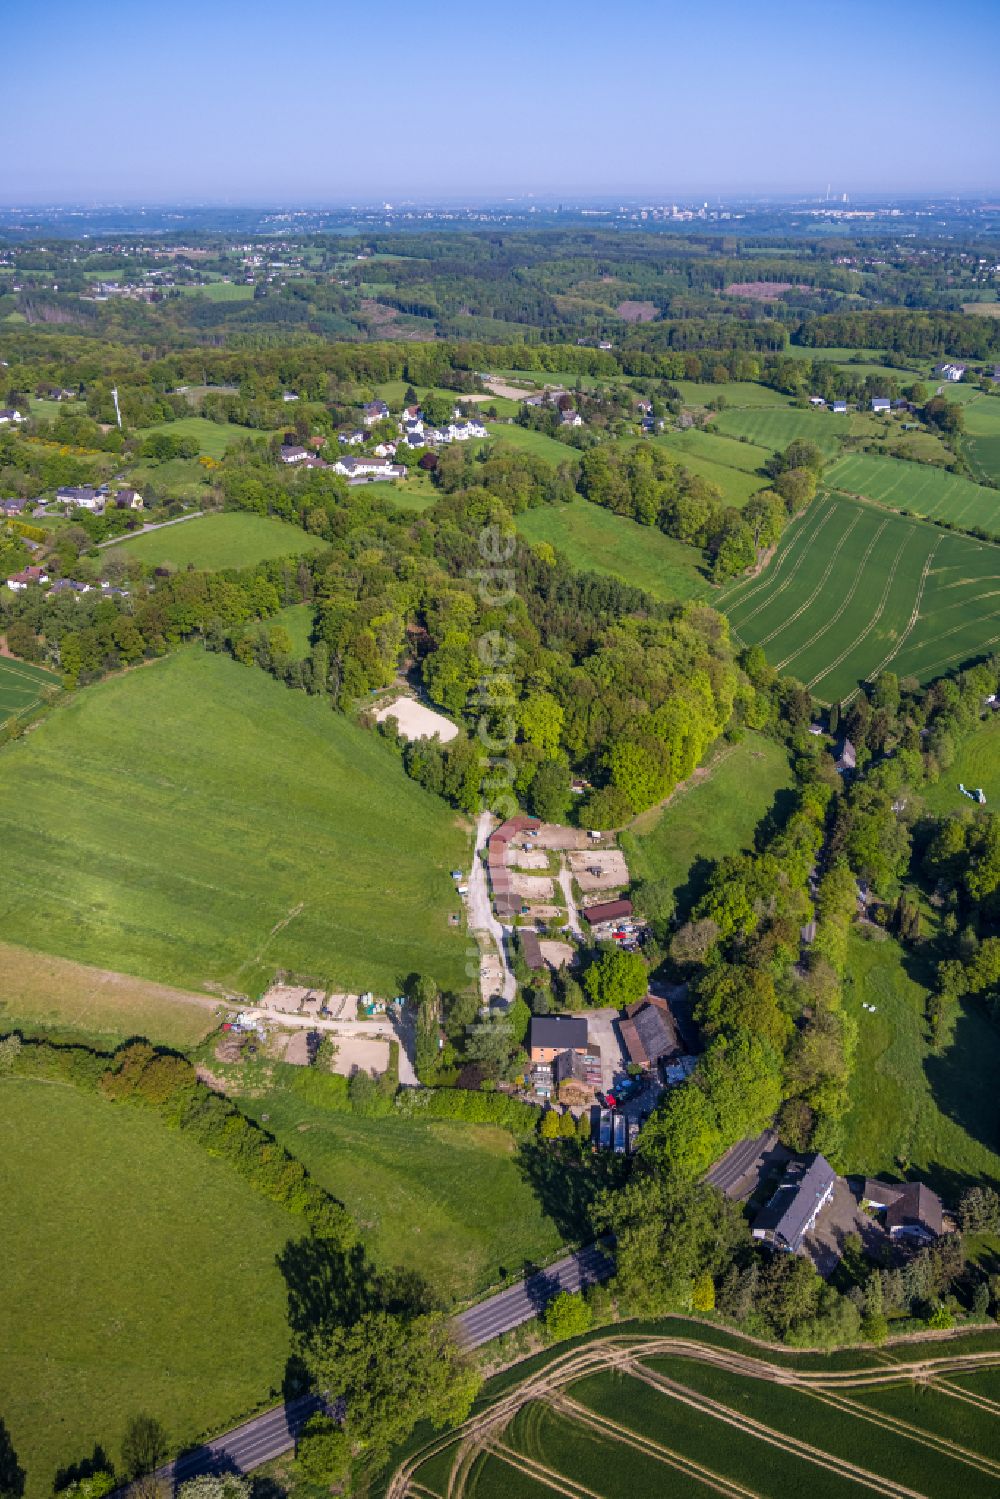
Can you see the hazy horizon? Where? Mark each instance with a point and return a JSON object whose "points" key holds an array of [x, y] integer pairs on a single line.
{"points": [[319, 106]]}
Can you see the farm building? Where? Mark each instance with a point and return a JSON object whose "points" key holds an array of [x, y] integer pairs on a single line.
{"points": [[505, 901], [531, 950], [791, 1214], [881, 404], [649, 1032], [608, 910], [839, 407], [548, 1035], [912, 1210], [571, 418]]}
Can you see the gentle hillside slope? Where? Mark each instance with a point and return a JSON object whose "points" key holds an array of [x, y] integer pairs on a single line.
{"points": [[229, 539]]}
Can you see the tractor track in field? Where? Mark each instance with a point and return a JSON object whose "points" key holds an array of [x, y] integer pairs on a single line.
{"points": [[911, 624], [808, 603], [769, 578], [845, 601], [870, 625], [758, 578], [482, 1432]]}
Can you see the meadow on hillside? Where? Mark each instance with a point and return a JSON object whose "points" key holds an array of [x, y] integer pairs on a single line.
{"points": [[593, 539], [224, 539]]}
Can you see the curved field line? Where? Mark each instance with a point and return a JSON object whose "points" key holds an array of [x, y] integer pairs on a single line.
{"points": [[868, 628], [801, 556], [914, 616], [846, 600], [769, 574], [964, 624], [532, 1468], [983, 1402], [943, 1446], [620, 1350], [808, 603]]}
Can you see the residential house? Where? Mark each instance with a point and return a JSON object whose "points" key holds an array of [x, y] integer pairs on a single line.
{"points": [[8, 415], [571, 418], [912, 1210], [293, 453], [577, 1074], [384, 450], [368, 468], [548, 1035], [791, 1214], [84, 497], [605, 344], [839, 408], [816, 401], [128, 499], [881, 405], [374, 411], [353, 439], [12, 508], [462, 431], [649, 1032], [847, 759], [951, 372], [289, 395], [17, 582], [67, 585], [415, 440]]}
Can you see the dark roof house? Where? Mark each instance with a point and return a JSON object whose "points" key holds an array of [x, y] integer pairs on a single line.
{"points": [[791, 1214], [609, 910], [556, 1033], [531, 949], [912, 1210], [848, 758], [649, 1032]]}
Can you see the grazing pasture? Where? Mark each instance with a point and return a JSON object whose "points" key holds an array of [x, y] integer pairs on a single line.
{"points": [[976, 764], [23, 689], [197, 823], [981, 443], [775, 429], [920, 487], [696, 443], [596, 540], [537, 443], [714, 813], [936, 1112], [224, 539], [415, 1189], [736, 485], [853, 590], [139, 1274], [738, 393], [213, 438]]}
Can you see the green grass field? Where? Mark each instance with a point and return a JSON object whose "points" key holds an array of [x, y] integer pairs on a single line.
{"points": [[712, 815], [223, 539], [981, 443], [918, 487], [213, 438], [537, 443], [977, 763], [139, 1274], [197, 823], [736, 484], [415, 1188], [673, 1422], [298, 620], [23, 689], [221, 291], [853, 590], [742, 394], [934, 1116], [729, 451], [595, 540]]}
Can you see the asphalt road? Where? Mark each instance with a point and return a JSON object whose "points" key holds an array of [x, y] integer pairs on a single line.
{"points": [[267, 1436], [508, 1309]]}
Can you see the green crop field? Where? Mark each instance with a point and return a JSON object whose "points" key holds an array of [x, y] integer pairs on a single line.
{"points": [[416, 1190], [977, 763], [853, 590], [197, 823], [777, 428], [713, 814], [981, 443], [918, 487], [224, 539], [23, 689], [935, 1113], [139, 1274], [734, 392], [595, 540], [675, 1421], [213, 438], [729, 451]]}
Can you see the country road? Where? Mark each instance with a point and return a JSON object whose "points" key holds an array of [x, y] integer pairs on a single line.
{"points": [[267, 1436], [480, 907], [160, 525]]}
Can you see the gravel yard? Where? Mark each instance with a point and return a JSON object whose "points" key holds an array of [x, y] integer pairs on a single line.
{"points": [[415, 721], [609, 864]]}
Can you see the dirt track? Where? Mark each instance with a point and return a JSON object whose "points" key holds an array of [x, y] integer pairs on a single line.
{"points": [[483, 1432]]}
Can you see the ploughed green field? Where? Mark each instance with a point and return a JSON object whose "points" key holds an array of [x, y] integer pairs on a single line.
{"points": [[416, 1190], [775, 429], [853, 590], [981, 443], [225, 539], [919, 487], [674, 1422], [197, 823], [913, 1111], [23, 688], [713, 814], [976, 764], [139, 1274], [213, 438], [593, 539]]}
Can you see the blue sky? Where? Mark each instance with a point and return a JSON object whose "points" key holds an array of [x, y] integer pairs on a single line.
{"points": [[304, 101]]}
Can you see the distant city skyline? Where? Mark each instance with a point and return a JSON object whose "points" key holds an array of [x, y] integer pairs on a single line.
{"points": [[323, 105]]}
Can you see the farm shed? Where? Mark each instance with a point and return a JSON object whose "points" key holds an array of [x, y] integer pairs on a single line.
{"points": [[609, 910], [649, 1032], [531, 950]]}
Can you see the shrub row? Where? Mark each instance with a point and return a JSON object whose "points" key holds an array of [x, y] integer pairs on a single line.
{"points": [[471, 1108]]}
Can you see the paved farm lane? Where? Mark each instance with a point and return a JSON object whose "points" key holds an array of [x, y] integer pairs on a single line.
{"points": [[160, 525], [509, 1309], [480, 906]]}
